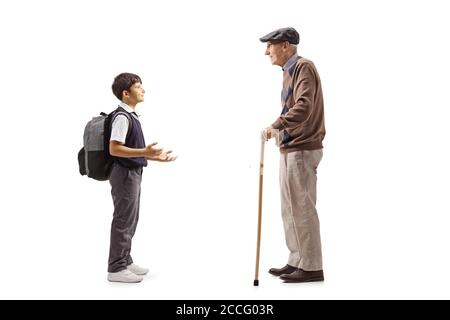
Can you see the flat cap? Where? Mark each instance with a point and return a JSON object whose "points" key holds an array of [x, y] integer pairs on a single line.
{"points": [[283, 34]]}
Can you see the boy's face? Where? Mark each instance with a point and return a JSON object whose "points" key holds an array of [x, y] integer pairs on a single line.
{"points": [[135, 94]]}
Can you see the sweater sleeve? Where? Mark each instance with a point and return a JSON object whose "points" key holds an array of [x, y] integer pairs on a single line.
{"points": [[304, 88]]}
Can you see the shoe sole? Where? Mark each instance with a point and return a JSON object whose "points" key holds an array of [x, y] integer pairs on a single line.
{"points": [[134, 281], [301, 281], [124, 281]]}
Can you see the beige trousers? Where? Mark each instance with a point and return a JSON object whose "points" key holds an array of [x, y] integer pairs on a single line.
{"points": [[298, 208]]}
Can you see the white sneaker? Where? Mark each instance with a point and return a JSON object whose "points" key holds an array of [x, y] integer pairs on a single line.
{"points": [[137, 270], [124, 276]]}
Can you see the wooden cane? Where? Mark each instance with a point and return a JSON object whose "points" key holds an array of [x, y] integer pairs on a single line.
{"points": [[258, 237]]}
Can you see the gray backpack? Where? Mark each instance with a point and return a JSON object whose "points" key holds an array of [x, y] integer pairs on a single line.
{"points": [[94, 159]]}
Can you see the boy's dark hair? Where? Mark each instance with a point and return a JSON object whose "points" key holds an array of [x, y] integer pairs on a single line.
{"points": [[124, 81]]}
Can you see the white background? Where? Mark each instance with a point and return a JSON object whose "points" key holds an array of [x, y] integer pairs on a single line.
{"points": [[382, 184]]}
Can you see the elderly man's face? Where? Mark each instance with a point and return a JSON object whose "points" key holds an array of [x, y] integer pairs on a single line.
{"points": [[277, 53]]}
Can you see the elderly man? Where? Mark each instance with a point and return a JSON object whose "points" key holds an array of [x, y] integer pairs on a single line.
{"points": [[300, 129]]}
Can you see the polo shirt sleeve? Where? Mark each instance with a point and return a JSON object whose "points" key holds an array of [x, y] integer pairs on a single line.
{"points": [[119, 129]]}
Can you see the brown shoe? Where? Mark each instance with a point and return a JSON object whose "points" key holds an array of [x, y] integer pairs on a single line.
{"points": [[287, 269], [301, 275]]}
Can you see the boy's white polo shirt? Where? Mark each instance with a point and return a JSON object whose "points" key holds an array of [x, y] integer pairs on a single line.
{"points": [[120, 125]]}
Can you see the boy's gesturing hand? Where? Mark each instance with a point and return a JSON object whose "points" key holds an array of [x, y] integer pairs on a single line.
{"points": [[151, 151], [164, 156], [157, 154]]}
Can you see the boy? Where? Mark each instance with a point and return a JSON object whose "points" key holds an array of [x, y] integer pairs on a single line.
{"points": [[130, 156]]}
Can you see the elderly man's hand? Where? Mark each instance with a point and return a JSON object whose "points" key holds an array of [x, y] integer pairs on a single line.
{"points": [[266, 133]]}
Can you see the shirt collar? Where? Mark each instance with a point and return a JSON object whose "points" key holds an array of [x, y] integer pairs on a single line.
{"points": [[290, 62], [127, 108]]}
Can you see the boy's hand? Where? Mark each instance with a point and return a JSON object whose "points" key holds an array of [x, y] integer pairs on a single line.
{"points": [[151, 151], [163, 157]]}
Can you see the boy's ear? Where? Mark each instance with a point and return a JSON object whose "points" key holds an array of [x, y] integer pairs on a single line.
{"points": [[125, 93]]}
